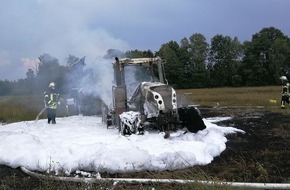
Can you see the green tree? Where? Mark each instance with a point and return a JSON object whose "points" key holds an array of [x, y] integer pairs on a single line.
{"points": [[5, 88], [223, 56], [265, 56], [198, 50], [173, 67], [30, 74], [280, 58], [112, 53], [186, 72], [49, 70], [75, 72], [139, 54], [30, 82]]}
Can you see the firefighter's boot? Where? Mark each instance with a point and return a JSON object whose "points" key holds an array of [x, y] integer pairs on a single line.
{"points": [[282, 104]]}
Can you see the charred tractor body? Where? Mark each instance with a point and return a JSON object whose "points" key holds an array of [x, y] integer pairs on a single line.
{"points": [[153, 104]]}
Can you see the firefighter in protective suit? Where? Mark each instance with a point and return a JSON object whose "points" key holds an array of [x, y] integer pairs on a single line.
{"points": [[285, 91], [51, 100]]}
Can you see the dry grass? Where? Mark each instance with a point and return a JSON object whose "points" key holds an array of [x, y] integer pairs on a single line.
{"points": [[266, 96], [22, 108], [18, 108]]}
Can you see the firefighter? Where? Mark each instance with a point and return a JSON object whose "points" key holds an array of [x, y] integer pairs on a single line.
{"points": [[285, 91], [51, 100]]}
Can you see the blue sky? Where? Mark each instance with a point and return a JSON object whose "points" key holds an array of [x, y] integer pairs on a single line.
{"points": [[88, 28]]}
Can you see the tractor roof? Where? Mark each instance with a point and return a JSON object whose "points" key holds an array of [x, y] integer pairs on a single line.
{"points": [[146, 62]]}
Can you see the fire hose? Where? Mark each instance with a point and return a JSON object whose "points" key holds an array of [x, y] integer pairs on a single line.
{"points": [[138, 180]]}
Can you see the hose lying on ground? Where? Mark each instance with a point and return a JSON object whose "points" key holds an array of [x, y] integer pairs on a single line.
{"points": [[138, 180]]}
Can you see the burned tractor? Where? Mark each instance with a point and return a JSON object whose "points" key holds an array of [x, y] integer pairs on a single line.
{"points": [[157, 104], [152, 104]]}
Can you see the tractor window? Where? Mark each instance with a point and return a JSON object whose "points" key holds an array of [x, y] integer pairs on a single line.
{"points": [[134, 75]]}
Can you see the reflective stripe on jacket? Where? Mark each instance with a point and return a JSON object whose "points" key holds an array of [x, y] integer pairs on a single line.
{"points": [[51, 100]]}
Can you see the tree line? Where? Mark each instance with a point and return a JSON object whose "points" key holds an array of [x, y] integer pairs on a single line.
{"points": [[192, 63], [225, 61]]}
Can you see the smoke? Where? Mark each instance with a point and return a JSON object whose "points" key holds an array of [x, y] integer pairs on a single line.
{"points": [[98, 79], [28, 63], [131, 79], [51, 27]]}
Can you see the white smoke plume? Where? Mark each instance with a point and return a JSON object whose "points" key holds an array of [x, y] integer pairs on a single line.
{"points": [[28, 63], [98, 79]]}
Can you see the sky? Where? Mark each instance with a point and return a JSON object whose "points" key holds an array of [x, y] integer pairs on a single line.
{"points": [[89, 28], [84, 143]]}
